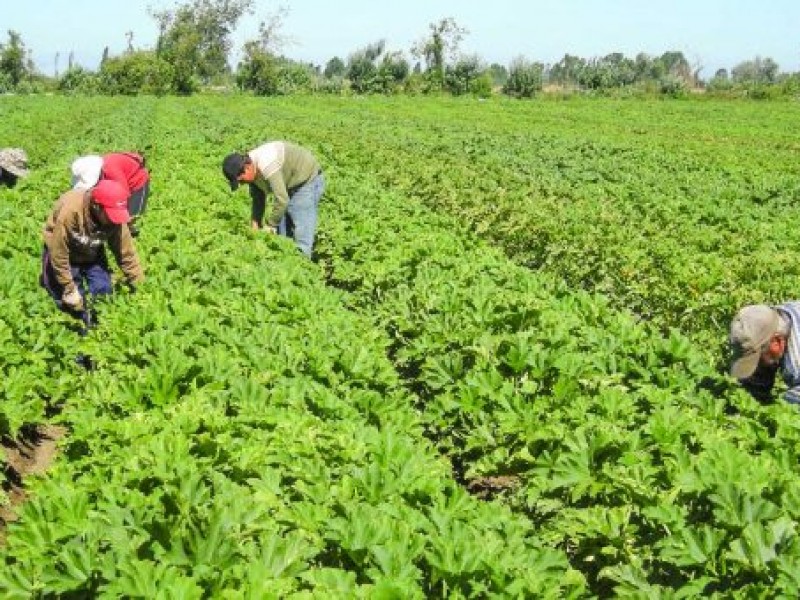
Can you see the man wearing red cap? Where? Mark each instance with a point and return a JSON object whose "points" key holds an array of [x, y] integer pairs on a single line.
{"points": [[126, 168], [81, 223]]}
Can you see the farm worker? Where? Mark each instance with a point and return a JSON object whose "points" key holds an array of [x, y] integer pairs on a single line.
{"points": [[126, 168], [764, 340], [294, 177], [75, 235], [13, 165]]}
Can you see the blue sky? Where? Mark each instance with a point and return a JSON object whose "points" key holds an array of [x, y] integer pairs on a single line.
{"points": [[711, 33]]}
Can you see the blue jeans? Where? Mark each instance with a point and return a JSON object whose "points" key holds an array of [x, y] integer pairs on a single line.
{"points": [[96, 275], [300, 221]]}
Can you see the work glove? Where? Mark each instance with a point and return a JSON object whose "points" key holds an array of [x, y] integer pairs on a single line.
{"points": [[72, 300]]}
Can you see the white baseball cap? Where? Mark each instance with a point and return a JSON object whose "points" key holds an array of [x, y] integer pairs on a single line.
{"points": [[86, 171]]}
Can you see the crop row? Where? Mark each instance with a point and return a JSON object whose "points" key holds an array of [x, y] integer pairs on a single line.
{"points": [[623, 447], [35, 347], [678, 214], [242, 434], [620, 460]]}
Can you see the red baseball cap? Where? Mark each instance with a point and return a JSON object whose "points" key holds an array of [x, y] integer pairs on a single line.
{"points": [[113, 197]]}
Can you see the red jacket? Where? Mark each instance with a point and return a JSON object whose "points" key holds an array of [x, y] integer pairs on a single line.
{"points": [[127, 169]]}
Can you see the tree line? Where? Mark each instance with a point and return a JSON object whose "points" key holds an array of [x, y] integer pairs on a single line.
{"points": [[194, 46]]}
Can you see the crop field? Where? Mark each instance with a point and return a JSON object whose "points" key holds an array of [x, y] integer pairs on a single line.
{"points": [[502, 375]]}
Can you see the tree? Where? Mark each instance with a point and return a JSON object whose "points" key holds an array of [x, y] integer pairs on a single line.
{"points": [[270, 35], [258, 71], [568, 71], [195, 38], [77, 80], [12, 59], [361, 67], [335, 67], [524, 78], [759, 71], [645, 68], [720, 82], [392, 72], [676, 66], [461, 77], [295, 77], [136, 73], [441, 43], [261, 71]]}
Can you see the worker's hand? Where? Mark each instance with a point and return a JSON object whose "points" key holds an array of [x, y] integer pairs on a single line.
{"points": [[72, 300]]}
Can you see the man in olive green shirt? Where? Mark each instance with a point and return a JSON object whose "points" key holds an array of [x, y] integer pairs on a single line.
{"points": [[295, 179]]}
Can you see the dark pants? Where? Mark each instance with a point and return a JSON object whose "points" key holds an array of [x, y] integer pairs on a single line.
{"points": [[95, 275]]}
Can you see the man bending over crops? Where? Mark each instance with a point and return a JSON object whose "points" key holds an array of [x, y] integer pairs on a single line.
{"points": [[765, 340], [75, 235], [127, 169], [13, 165], [295, 179]]}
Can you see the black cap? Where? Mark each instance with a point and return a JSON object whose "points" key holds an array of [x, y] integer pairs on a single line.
{"points": [[232, 167]]}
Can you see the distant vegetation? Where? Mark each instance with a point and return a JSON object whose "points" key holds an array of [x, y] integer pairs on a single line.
{"points": [[193, 51]]}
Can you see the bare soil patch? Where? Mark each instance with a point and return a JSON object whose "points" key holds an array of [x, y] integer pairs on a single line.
{"points": [[488, 487], [31, 453]]}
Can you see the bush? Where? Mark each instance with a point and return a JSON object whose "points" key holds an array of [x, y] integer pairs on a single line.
{"points": [[414, 84], [294, 78], [258, 72], [764, 92], [332, 85], [461, 77], [482, 86], [137, 73], [32, 86], [6, 84], [790, 86], [78, 81], [672, 86], [524, 79]]}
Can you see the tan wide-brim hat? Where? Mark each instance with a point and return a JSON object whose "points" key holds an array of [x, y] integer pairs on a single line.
{"points": [[15, 161], [751, 329]]}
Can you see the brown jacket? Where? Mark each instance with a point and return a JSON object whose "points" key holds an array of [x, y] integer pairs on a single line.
{"points": [[72, 237]]}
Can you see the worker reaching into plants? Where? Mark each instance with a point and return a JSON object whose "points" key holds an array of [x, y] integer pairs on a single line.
{"points": [[75, 235], [129, 169], [295, 178], [13, 165], [764, 340]]}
